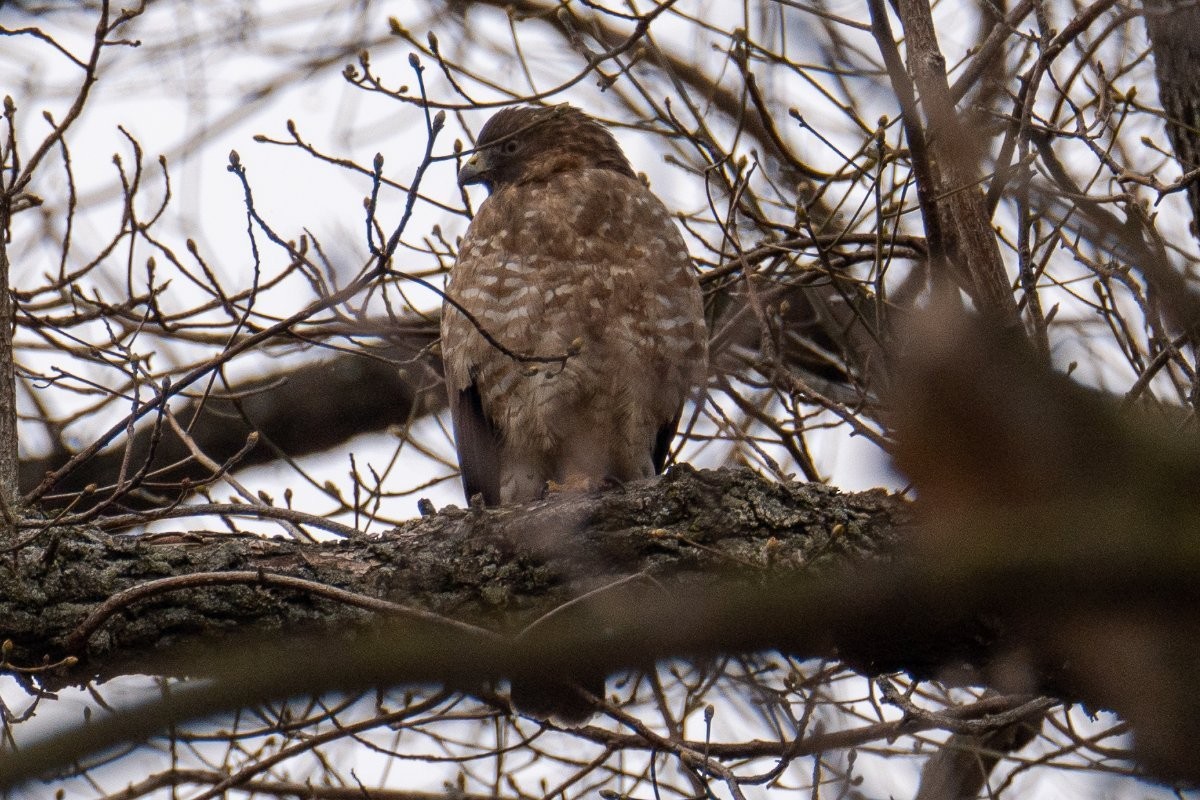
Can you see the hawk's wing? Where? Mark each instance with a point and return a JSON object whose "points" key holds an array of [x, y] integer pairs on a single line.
{"points": [[478, 445], [662, 444]]}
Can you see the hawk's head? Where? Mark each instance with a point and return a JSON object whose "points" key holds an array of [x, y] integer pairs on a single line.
{"points": [[528, 144]]}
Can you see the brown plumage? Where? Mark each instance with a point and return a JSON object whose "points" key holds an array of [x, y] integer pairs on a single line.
{"points": [[570, 254]]}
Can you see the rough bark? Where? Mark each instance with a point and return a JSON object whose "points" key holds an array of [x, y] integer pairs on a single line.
{"points": [[496, 568]]}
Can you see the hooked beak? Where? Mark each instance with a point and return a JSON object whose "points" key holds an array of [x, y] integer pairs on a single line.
{"points": [[474, 170]]}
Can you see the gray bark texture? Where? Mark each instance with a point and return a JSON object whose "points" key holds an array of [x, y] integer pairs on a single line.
{"points": [[499, 569]]}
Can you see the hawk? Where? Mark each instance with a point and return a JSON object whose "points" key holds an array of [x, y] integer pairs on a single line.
{"points": [[572, 259]]}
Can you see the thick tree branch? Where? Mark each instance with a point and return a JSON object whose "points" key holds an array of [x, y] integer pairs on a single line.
{"points": [[499, 568]]}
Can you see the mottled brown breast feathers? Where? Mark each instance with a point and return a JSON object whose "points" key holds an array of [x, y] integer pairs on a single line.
{"points": [[571, 258]]}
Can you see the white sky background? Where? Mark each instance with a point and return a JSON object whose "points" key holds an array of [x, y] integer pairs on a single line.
{"points": [[196, 104]]}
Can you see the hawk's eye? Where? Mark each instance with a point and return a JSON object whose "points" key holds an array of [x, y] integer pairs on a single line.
{"points": [[509, 147]]}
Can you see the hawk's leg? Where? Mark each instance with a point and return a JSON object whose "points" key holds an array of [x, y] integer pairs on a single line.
{"points": [[575, 484], [582, 485]]}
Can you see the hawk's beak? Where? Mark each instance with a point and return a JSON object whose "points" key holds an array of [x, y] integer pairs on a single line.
{"points": [[473, 171]]}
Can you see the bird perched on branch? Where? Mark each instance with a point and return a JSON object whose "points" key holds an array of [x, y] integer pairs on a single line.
{"points": [[573, 328]]}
